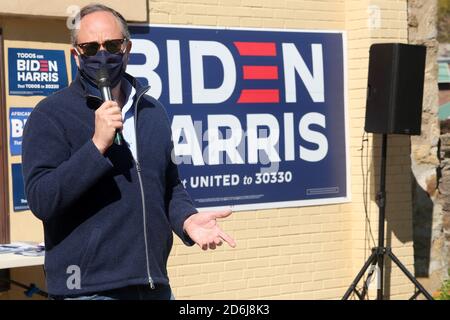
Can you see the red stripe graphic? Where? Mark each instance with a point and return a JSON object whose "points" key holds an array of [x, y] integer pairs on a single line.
{"points": [[260, 72], [256, 48], [44, 65], [259, 96]]}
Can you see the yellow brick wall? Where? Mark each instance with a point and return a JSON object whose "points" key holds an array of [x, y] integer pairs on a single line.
{"points": [[308, 252]]}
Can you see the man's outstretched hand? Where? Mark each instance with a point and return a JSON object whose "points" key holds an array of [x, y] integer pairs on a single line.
{"points": [[202, 228]]}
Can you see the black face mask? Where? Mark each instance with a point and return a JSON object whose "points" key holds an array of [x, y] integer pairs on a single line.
{"points": [[114, 63]]}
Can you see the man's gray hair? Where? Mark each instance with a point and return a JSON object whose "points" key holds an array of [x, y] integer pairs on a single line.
{"points": [[91, 8]]}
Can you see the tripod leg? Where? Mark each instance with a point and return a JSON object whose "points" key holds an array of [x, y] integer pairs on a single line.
{"points": [[414, 296], [370, 260], [409, 275]]}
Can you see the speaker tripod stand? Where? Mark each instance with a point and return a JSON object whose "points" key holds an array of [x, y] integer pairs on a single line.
{"points": [[377, 258]]}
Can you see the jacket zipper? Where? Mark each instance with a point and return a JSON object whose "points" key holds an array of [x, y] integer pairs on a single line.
{"points": [[141, 187], [138, 168]]}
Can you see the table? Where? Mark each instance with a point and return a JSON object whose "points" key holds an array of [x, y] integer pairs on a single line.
{"points": [[11, 260]]}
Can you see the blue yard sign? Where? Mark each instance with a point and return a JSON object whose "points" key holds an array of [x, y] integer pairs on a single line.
{"points": [[34, 72], [258, 116], [19, 200], [17, 119]]}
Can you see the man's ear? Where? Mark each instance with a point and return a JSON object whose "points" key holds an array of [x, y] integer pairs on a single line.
{"points": [[127, 51], [75, 56], [129, 46]]}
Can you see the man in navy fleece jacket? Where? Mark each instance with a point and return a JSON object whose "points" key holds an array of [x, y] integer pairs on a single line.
{"points": [[108, 210]]}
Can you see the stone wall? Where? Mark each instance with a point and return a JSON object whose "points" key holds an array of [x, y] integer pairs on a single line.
{"points": [[430, 167]]}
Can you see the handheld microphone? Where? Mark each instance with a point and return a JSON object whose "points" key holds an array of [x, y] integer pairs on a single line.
{"points": [[104, 85]]}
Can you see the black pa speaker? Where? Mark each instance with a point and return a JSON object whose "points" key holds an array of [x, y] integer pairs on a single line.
{"points": [[395, 88]]}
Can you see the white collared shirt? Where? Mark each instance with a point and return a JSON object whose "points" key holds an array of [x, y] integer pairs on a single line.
{"points": [[129, 132]]}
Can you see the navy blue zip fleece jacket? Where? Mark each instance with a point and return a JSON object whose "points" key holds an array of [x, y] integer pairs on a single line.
{"points": [[96, 215]]}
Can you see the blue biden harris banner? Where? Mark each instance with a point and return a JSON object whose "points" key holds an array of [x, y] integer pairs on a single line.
{"points": [[19, 200], [34, 72], [257, 116], [17, 119]]}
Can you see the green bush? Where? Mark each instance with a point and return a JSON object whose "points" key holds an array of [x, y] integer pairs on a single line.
{"points": [[444, 292]]}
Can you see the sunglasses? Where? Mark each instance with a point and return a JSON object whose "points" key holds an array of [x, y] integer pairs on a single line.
{"points": [[113, 46]]}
